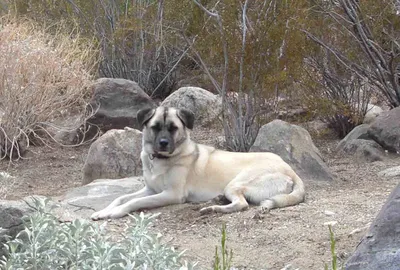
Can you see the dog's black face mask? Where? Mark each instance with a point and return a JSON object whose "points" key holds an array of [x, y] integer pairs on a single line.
{"points": [[165, 128], [164, 137]]}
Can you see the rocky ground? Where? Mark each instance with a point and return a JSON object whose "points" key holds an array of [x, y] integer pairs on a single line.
{"points": [[296, 236]]}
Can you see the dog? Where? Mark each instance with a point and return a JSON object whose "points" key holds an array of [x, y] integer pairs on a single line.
{"points": [[177, 170]]}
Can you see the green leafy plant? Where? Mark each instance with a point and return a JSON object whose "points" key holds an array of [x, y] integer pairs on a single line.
{"points": [[223, 261], [333, 251], [45, 243]]}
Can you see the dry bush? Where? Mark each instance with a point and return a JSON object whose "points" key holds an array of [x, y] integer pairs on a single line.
{"points": [[335, 94], [42, 77]]}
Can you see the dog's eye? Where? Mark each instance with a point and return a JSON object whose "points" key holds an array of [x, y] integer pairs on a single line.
{"points": [[156, 127], [172, 128]]}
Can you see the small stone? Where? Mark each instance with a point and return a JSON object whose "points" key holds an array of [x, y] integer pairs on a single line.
{"points": [[329, 213], [357, 230]]}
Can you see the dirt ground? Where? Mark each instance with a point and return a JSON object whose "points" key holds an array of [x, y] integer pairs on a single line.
{"points": [[296, 236]]}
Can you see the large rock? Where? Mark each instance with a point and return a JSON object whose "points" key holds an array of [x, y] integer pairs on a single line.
{"points": [[385, 130], [380, 247], [364, 150], [206, 106], [359, 144], [359, 132], [294, 145], [373, 111], [11, 216], [11, 224], [114, 155], [115, 102]]}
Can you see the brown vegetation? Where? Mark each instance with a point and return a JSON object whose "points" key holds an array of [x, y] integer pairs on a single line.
{"points": [[42, 77]]}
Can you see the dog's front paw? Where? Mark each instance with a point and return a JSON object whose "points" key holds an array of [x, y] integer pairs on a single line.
{"points": [[206, 210], [99, 215], [113, 213]]}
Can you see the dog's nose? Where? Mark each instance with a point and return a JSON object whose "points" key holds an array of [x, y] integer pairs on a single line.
{"points": [[164, 142]]}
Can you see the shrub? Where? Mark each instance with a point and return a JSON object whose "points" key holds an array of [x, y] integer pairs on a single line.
{"points": [[42, 77], [45, 243], [338, 98], [223, 261]]}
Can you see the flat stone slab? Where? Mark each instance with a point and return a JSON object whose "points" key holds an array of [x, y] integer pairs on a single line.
{"points": [[83, 201]]}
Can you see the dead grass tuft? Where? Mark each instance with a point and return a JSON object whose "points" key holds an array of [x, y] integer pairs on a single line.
{"points": [[42, 77]]}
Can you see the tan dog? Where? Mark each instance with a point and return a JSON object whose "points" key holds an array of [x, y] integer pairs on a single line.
{"points": [[178, 170]]}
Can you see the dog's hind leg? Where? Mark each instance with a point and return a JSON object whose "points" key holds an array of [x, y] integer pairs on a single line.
{"points": [[289, 191], [238, 202]]}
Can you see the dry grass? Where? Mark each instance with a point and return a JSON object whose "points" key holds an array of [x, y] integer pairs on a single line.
{"points": [[42, 76]]}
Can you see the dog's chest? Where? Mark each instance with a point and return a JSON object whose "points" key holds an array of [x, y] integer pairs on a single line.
{"points": [[156, 177]]}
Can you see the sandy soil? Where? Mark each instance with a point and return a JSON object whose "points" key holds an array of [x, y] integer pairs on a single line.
{"points": [[293, 236]]}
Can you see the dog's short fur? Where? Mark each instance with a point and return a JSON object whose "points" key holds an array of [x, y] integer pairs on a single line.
{"points": [[178, 170]]}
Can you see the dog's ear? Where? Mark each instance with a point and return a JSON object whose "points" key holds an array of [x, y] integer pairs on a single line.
{"points": [[187, 117], [144, 115]]}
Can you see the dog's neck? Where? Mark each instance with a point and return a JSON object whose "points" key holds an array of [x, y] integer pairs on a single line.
{"points": [[158, 156]]}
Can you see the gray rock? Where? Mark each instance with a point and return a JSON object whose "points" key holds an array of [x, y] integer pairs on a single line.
{"points": [[359, 144], [116, 103], [11, 215], [380, 247], [391, 172], [373, 111], [206, 106], [385, 130], [364, 150], [114, 155], [294, 145], [359, 132], [82, 201]]}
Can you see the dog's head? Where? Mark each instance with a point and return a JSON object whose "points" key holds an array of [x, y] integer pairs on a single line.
{"points": [[165, 129]]}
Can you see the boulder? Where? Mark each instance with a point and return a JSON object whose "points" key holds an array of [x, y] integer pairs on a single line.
{"points": [[294, 145], [115, 103], [11, 214], [116, 154], [11, 219], [385, 130], [380, 247], [373, 111], [359, 132], [360, 145], [364, 150], [206, 106]]}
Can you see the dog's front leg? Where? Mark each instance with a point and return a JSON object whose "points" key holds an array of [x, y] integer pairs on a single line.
{"points": [[120, 200], [161, 199]]}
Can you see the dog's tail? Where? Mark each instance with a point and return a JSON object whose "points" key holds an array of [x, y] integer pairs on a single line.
{"points": [[282, 200]]}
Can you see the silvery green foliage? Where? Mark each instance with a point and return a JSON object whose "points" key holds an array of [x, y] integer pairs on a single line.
{"points": [[5, 175], [48, 244]]}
